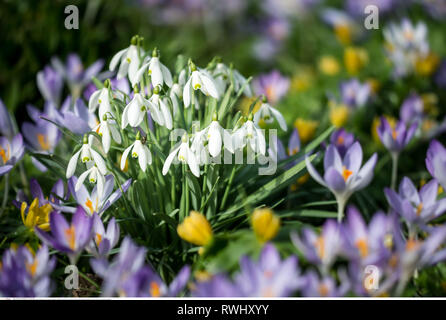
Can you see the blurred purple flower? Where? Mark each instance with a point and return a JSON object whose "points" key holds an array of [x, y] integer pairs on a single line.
{"points": [[68, 238], [94, 202], [6, 122], [75, 117], [272, 85], [440, 75], [23, 274], [315, 286], [320, 249], [103, 240], [395, 139], [436, 162], [354, 94], [50, 83], [10, 152], [412, 109], [416, 207], [342, 140]]}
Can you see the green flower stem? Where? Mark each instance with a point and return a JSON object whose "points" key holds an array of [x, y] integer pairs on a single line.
{"points": [[225, 195], [395, 157], [341, 206], [5, 194], [203, 190]]}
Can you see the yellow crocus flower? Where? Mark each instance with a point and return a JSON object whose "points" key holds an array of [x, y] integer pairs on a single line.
{"points": [[329, 65], [306, 129], [195, 229], [425, 66], [355, 59], [265, 224], [343, 32], [37, 216], [338, 115]]}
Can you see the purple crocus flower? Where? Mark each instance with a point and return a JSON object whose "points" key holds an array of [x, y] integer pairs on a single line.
{"points": [[323, 249], [395, 139], [23, 274], [68, 238], [127, 275], [315, 286], [217, 286], [55, 199], [10, 152], [344, 176], [50, 83], [367, 244], [342, 140], [436, 162], [76, 118], [103, 240], [124, 272], [95, 202], [74, 73], [354, 94], [412, 109], [270, 276], [417, 208], [6, 122], [272, 85]]}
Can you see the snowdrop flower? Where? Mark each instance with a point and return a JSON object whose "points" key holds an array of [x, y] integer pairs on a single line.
{"points": [[344, 176], [199, 80], [175, 95], [158, 72], [107, 129], [140, 151], [164, 118], [128, 60], [95, 176], [101, 98], [222, 76], [250, 134], [216, 136], [267, 113], [185, 155], [136, 110]]}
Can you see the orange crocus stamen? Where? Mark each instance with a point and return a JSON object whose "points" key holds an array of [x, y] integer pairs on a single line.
{"points": [[340, 140], [323, 290], [89, 205], [98, 239], [320, 247], [346, 173], [394, 134], [419, 209], [155, 289], [70, 235], [43, 141], [32, 268], [4, 155], [363, 248]]}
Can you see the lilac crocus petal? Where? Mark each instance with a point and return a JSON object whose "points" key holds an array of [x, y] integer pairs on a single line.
{"points": [[353, 158], [365, 175], [334, 180], [36, 190], [6, 124], [115, 196], [436, 162], [332, 158], [5, 169], [294, 142], [180, 281], [408, 191], [49, 82], [429, 192], [314, 174], [83, 227], [393, 199]]}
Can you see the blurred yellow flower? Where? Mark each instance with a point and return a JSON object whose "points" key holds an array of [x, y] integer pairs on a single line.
{"points": [[374, 85], [343, 33], [355, 59], [265, 224], [245, 104], [36, 216], [329, 65], [425, 66], [300, 181], [301, 81], [392, 122], [306, 129], [430, 103], [427, 125], [195, 229], [338, 115]]}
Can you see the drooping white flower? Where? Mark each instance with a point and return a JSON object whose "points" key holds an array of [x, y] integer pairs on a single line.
{"points": [[217, 137], [176, 94], [139, 151], [222, 75], [100, 98], [185, 155], [158, 72], [164, 117], [250, 134], [136, 110], [95, 176], [267, 113], [199, 80], [128, 60], [108, 130], [87, 155]]}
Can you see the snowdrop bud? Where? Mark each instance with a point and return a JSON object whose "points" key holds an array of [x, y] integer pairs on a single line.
{"points": [[155, 52]]}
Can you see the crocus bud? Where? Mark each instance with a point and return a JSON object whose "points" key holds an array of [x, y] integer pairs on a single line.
{"points": [[265, 224], [195, 229]]}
